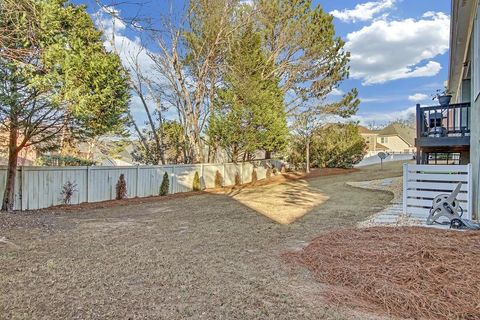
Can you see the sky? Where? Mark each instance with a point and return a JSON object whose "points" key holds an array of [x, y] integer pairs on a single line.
{"points": [[399, 50]]}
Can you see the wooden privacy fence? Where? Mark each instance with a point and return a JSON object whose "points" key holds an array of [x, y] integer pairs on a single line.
{"points": [[422, 183], [40, 187]]}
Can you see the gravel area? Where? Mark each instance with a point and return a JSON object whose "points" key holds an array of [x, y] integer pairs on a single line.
{"points": [[206, 256]]}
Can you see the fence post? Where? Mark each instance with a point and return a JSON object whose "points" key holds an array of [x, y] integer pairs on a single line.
{"points": [[174, 179], [470, 192], [241, 173], [22, 189], [223, 174], [405, 184], [137, 181], [87, 184]]}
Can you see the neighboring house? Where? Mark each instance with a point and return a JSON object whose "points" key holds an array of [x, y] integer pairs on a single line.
{"points": [[107, 153], [370, 137], [26, 157], [394, 138], [450, 135]]}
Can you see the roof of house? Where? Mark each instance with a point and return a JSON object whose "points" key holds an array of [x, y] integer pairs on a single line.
{"points": [[406, 133], [379, 146], [365, 130], [20, 162]]}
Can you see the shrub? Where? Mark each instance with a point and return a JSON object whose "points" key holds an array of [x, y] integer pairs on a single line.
{"points": [[238, 180], [196, 182], [68, 189], [274, 171], [269, 173], [63, 161], [165, 186], [218, 179], [121, 187], [254, 176]]}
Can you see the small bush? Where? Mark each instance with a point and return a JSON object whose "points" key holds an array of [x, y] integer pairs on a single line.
{"points": [[196, 182], [121, 187], [269, 173], [238, 180], [254, 176], [165, 186], [274, 171], [68, 189], [63, 161], [218, 179]]}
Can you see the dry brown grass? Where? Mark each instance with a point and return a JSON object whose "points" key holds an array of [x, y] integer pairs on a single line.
{"points": [[407, 272], [284, 203], [182, 256]]}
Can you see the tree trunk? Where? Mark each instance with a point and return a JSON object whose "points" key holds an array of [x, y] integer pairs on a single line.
{"points": [[307, 169], [9, 194]]}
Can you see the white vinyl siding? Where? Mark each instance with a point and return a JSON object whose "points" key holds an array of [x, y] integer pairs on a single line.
{"points": [[476, 56]]}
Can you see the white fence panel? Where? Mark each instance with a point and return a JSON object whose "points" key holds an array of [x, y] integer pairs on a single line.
{"points": [[184, 175], [41, 187], [209, 172], [103, 182], [247, 169], [231, 170], [422, 183]]}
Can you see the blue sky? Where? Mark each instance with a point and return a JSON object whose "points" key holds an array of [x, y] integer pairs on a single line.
{"points": [[399, 50]]}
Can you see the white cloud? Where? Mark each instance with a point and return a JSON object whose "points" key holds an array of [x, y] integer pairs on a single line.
{"points": [[418, 97], [337, 92], [390, 50], [363, 11], [130, 50], [380, 118]]}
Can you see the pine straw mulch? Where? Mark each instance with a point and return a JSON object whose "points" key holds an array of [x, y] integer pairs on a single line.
{"points": [[406, 272]]}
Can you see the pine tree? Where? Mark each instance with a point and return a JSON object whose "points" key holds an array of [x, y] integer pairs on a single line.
{"points": [[57, 78], [249, 113], [121, 188], [218, 179], [165, 186], [196, 182]]}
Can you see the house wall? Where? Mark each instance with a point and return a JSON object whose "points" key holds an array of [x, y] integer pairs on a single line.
{"points": [[370, 140], [475, 120], [395, 144]]}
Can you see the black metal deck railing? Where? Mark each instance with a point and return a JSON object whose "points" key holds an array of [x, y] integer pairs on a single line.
{"points": [[439, 122]]}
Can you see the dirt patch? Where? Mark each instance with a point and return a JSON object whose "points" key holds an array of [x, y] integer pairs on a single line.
{"points": [[287, 177], [283, 198], [284, 203], [407, 272]]}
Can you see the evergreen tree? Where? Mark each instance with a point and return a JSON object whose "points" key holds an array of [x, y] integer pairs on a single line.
{"points": [[338, 146], [57, 78], [196, 182], [249, 112], [165, 186]]}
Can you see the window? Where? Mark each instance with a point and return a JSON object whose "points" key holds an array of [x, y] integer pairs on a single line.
{"points": [[476, 56], [384, 140]]}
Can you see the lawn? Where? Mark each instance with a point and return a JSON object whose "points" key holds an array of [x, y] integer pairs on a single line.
{"points": [[205, 256]]}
